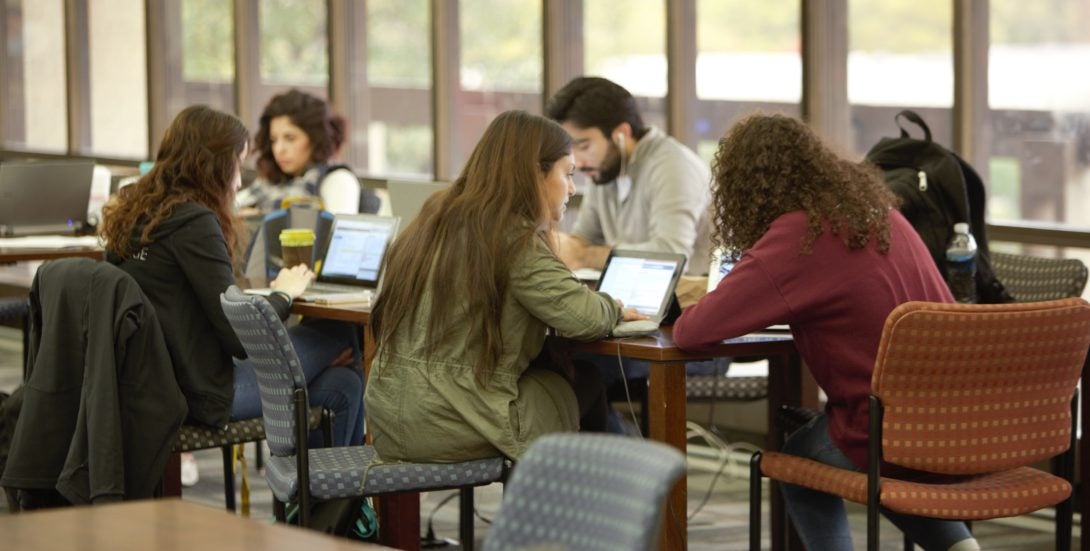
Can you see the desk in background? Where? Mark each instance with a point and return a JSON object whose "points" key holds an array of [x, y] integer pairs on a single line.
{"points": [[158, 524], [8, 255]]}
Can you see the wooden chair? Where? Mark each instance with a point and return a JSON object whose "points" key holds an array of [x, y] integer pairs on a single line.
{"points": [[977, 392]]}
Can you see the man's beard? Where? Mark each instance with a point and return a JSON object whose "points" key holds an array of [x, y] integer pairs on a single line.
{"points": [[610, 167]]}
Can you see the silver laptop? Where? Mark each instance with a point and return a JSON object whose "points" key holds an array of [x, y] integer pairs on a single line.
{"points": [[642, 280], [407, 197], [41, 198], [354, 259]]}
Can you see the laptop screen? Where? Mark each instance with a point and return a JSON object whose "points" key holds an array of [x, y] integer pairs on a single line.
{"points": [[721, 265], [357, 248], [23, 185], [642, 280], [407, 197]]}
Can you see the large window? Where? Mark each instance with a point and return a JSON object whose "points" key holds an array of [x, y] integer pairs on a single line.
{"points": [[500, 66], [196, 59], [293, 51], [205, 62], [34, 110], [395, 124], [748, 60], [906, 65], [118, 79], [1039, 96], [626, 43]]}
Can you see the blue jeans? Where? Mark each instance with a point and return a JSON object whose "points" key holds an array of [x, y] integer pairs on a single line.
{"points": [[821, 519], [338, 389], [611, 373]]}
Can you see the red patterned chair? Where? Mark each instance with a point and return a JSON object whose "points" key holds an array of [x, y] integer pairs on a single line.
{"points": [[979, 392]]}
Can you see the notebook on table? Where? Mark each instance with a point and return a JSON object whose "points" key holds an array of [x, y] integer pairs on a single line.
{"points": [[353, 262], [407, 197], [642, 280], [43, 198]]}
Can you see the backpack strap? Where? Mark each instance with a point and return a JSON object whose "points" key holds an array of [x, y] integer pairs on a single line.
{"points": [[912, 117]]}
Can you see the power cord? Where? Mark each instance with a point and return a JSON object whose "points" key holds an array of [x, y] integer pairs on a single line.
{"points": [[627, 395], [429, 541], [725, 451]]}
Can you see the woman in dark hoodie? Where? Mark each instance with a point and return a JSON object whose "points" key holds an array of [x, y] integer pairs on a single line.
{"points": [[173, 232]]}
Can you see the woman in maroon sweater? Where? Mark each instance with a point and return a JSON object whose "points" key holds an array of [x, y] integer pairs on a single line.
{"points": [[820, 246]]}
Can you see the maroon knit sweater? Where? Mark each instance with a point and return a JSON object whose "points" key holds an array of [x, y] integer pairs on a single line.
{"points": [[836, 301]]}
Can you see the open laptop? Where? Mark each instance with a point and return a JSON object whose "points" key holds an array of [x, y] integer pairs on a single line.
{"points": [[354, 259], [407, 197], [41, 198], [642, 280]]}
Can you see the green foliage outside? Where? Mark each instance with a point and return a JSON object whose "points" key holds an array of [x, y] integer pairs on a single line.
{"points": [[408, 149], [1004, 190], [901, 26], [1039, 21], [208, 52], [614, 29], [747, 26], [399, 43], [293, 41], [501, 44]]}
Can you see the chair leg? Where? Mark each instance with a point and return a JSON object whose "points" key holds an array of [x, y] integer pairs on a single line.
{"points": [[279, 511], [228, 478], [327, 428], [1064, 512], [872, 526], [755, 502], [909, 546], [259, 456], [465, 517]]}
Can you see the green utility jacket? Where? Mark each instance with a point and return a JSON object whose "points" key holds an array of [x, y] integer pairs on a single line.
{"points": [[431, 409]]}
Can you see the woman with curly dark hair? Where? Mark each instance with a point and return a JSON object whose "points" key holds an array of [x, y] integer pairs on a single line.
{"points": [[173, 232], [297, 140], [821, 247]]}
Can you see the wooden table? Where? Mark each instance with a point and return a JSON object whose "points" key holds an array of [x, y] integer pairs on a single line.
{"points": [[9, 255], [158, 524], [666, 402]]}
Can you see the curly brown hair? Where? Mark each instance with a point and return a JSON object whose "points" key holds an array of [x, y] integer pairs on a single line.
{"points": [[197, 161], [325, 130], [769, 165]]}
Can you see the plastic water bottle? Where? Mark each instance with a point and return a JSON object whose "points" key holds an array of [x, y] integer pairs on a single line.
{"points": [[961, 264]]}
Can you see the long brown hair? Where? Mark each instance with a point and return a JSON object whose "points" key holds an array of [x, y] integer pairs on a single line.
{"points": [[196, 162], [769, 165], [325, 130], [459, 248]]}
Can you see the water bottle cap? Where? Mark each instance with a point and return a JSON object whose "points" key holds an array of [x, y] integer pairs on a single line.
{"points": [[961, 227]]}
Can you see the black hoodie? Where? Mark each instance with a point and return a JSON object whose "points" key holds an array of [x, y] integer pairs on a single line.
{"points": [[183, 271]]}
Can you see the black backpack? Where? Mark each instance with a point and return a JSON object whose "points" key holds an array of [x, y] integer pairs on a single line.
{"points": [[938, 189]]}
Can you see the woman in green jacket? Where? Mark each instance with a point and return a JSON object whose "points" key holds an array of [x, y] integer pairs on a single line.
{"points": [[471, 288]]}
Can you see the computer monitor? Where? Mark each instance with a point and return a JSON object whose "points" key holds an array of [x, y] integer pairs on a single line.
{"points": [[45, 197]]}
